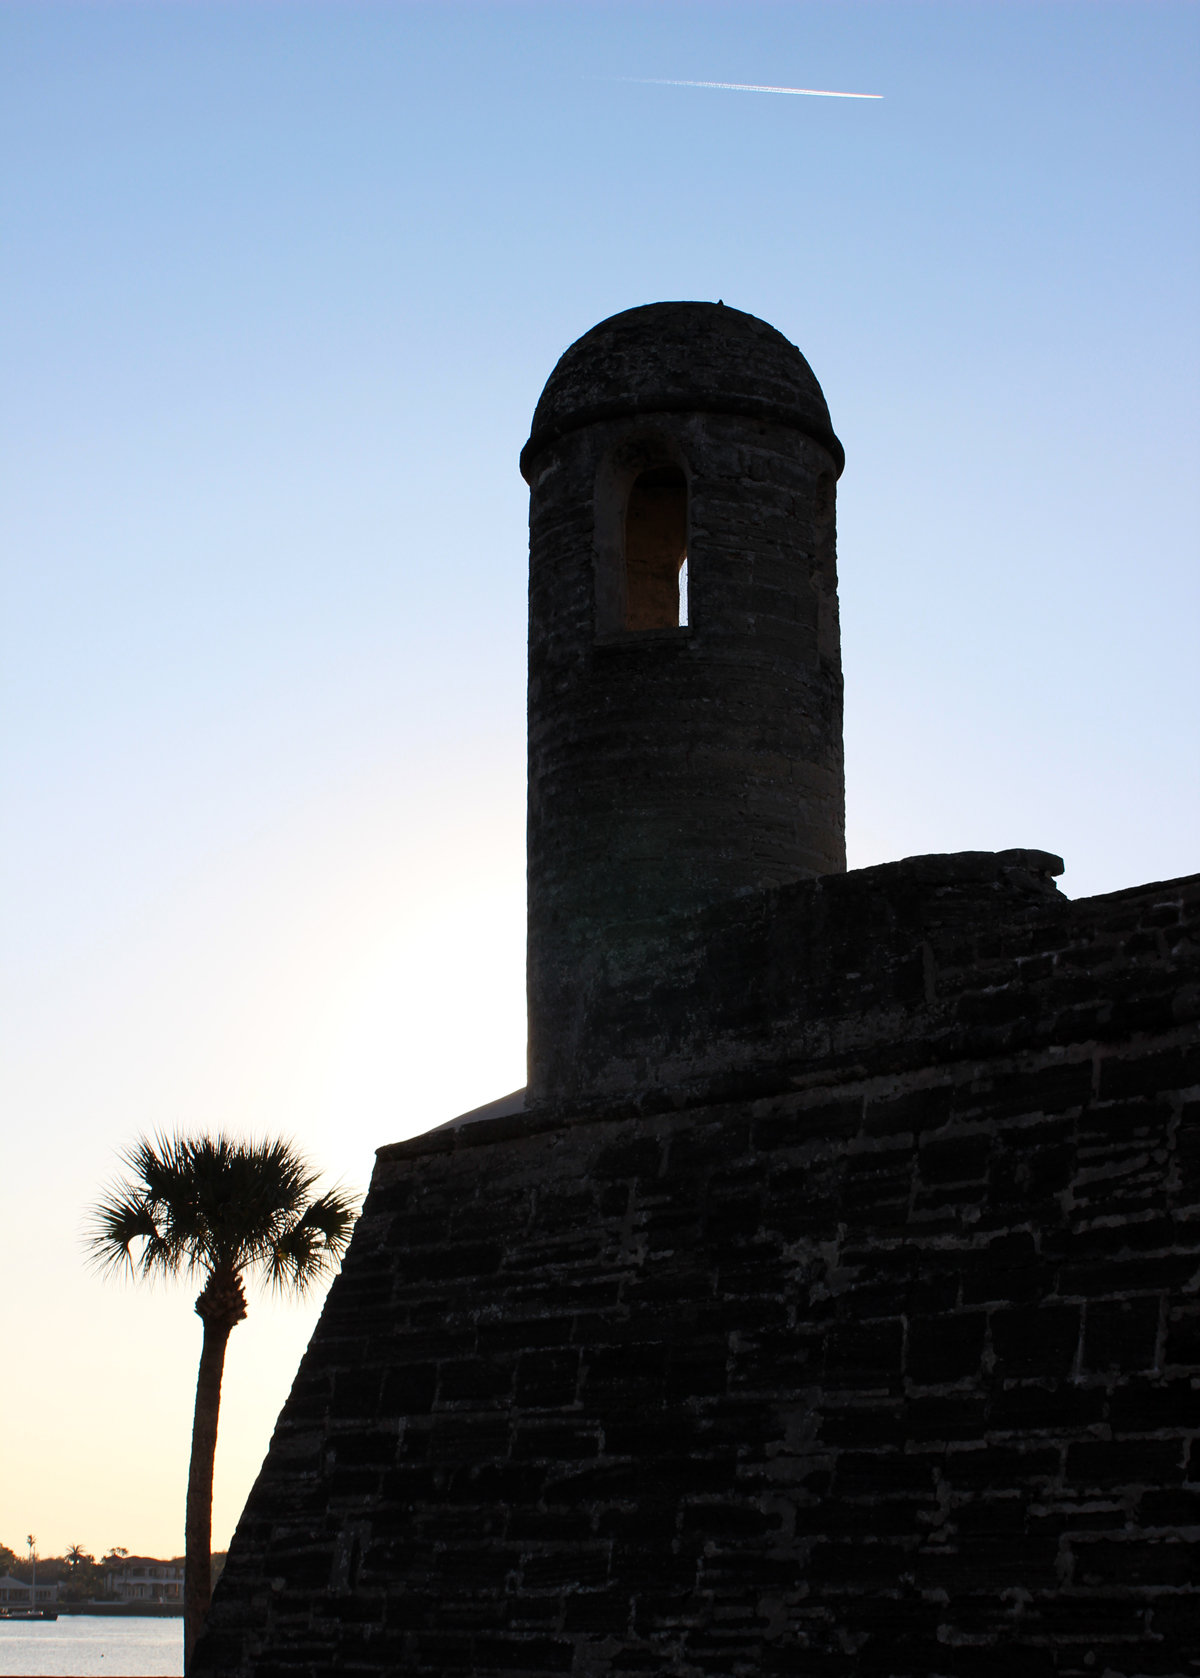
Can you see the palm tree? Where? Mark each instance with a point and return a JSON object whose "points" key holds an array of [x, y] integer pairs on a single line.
{"points": [[208, 1206], [82, 1565]]}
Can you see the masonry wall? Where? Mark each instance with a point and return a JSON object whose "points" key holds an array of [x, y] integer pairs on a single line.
{"points": [[887, 1362]]}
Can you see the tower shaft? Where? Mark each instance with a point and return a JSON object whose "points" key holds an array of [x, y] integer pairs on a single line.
{"points": [[685, 693]]}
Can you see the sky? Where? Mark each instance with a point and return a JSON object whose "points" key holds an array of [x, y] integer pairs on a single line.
{"points": [[282, 285]]}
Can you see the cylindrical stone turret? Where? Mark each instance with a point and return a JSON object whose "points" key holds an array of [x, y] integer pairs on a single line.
{"points": [[685, 688]]}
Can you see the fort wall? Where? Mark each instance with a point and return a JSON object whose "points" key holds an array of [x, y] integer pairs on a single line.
{"points": [[869, 1345]]}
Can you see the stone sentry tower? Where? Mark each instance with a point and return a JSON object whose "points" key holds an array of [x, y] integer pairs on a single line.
{"points": [[830, 1306], [685, 688]]}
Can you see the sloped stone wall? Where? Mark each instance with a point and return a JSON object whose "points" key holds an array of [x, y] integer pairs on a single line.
{"points": [[885, 1362]]}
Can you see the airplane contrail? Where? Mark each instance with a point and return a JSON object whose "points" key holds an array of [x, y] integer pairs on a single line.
{"points": [[750, 87]]}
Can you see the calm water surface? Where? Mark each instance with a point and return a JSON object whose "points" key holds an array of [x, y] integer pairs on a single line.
{"points": [[91, 1646]]}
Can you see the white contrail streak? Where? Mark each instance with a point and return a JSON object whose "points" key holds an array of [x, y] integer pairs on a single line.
{"points": [[750, 87]]}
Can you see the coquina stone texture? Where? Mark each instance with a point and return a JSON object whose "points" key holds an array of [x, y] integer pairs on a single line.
{"points": [[832, 1309]]}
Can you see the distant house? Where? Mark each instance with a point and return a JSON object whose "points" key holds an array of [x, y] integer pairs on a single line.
{"points": [[144, 1579], [14, 1593]]}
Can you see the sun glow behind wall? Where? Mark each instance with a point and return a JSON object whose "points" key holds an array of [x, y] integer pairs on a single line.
{"points": [[349, 982]]}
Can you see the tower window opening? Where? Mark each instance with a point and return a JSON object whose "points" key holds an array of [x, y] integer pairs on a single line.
{"points": [[656, 534]]}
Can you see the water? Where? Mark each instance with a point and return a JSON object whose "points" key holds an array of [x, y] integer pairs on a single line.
{"points": [[92, 1646]]}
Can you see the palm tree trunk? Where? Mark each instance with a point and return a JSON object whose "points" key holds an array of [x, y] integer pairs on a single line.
{"points": [[220, 1307]]}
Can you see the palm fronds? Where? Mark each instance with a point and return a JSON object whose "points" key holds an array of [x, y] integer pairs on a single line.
{"points": [[197, 1203], [308, 1248]]}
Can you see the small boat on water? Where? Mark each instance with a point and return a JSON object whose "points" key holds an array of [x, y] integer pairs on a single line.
{"points": [[28, 1613]]}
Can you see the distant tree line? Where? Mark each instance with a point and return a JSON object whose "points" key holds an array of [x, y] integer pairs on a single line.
{"points": [[78, 1574]]}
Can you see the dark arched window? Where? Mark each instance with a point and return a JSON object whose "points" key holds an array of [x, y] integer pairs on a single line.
{"points": [[656, 537]]}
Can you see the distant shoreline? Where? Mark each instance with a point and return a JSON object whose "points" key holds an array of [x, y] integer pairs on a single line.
{"points": [[116, 1610]]}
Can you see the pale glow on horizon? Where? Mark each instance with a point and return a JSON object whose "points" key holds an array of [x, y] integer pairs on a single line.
{"points": [[341, 981]]}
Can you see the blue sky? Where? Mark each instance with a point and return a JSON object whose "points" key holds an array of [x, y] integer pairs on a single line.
{"points": [[282, 285]]}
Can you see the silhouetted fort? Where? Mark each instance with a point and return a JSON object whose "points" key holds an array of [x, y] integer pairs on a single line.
{"points": [[831, 1303]]}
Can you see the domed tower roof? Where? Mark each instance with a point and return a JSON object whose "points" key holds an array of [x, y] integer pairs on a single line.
{"points": [[680, 357]]}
